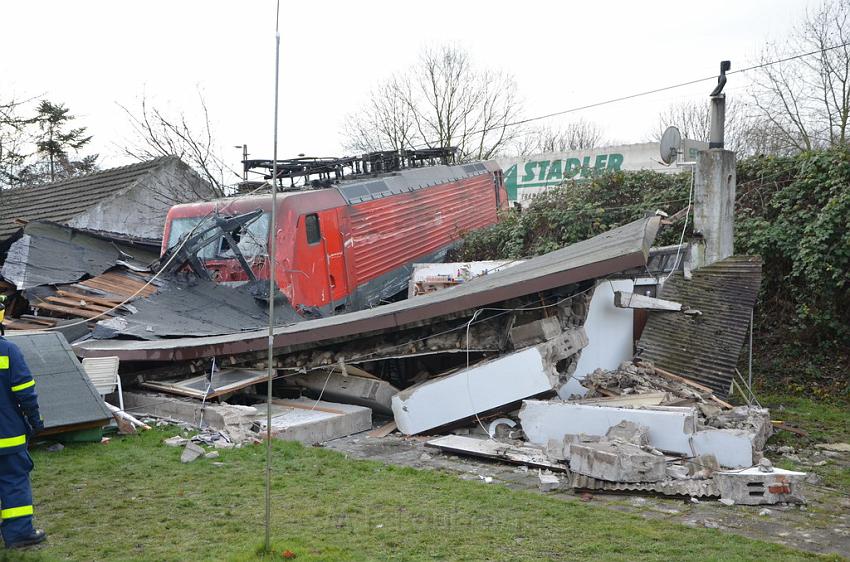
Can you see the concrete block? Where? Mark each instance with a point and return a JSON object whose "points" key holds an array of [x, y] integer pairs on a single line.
{"points": [[535, 332], [372, 393], [669, 429], [191, 452], [617, 462], [548, 482], [309, 422], [629, 432], [754, 487], [559, 449], [485, 386]]}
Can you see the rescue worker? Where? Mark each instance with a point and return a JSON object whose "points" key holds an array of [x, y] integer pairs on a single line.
{"points": [[19, 419]]}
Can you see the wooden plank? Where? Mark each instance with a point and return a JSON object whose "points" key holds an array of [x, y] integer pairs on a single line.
{"points": [[384, 430], [673, 377], [633, 400], [75, 303], [88, 298], [797, 431], [78, 312]]}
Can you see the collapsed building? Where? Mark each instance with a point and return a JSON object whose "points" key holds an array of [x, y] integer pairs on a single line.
{"points": [[607, 360]]}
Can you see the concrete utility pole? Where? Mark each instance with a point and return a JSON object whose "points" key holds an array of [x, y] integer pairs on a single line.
{"points": [[714, 186]]}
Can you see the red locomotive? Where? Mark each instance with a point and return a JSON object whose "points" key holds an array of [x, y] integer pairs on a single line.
{"points": [[347, 243]]}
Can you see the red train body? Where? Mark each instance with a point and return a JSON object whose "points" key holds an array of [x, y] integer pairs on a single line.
{"points": [[350, 246]]}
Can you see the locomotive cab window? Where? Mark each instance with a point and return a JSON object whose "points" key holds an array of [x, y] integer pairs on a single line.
{"points": [[311, 224]]}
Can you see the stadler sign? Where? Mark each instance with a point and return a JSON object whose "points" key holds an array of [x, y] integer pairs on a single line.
{"points": [[527, 177]]}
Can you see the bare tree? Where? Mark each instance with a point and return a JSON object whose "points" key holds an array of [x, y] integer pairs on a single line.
{"points": [[743, 133], [805, 102], [441, 102], [160, 134], [13, 140], [387, 123], [576, 135]]}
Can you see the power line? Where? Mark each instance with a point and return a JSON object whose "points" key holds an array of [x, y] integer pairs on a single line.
{"points": [[644, 93]]}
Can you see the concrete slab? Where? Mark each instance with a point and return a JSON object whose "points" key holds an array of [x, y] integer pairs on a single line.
{"points": [[485, 386], [670, 428], [309, 422], [372, 393], [733, 448]]}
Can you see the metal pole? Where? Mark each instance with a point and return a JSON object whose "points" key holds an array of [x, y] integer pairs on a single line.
{"points": [[272, 290]]}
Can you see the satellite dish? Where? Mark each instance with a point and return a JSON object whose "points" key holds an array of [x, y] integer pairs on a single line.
{"points": [[670, 141]]}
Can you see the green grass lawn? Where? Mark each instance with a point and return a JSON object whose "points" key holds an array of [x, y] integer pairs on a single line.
{"points": [[825, 422], [132, 499]]}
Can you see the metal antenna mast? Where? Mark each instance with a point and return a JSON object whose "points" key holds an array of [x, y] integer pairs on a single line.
{"points": [[272, 289]]}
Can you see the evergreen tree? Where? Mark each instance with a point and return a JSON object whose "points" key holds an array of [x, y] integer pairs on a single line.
{"points": [[55, 140]]}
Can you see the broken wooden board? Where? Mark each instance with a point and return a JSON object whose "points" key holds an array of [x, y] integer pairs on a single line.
{"points": [[496, 450], [224, 381]]}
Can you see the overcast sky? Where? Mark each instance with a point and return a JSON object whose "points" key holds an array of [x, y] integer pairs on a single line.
{"points": [[94, 55]]}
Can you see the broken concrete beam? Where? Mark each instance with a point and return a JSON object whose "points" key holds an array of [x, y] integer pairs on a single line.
{"points": [[309, 421], [535, 332], [670, 428], [372, 393], [485, 386], [754, 487], [623, 299], [616, 462], [496, 450]]}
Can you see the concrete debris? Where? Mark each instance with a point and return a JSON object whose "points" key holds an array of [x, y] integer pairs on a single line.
{"points": [[631, 378], [629, 432], [560, 448], [485, 386], [616, 462], [754, 487], [348, 385], [310, 421], [212, 455], [548, 482], [535, 332], [727, 502], [191, 452], [765, 512], [515, 453], [175, 441]]}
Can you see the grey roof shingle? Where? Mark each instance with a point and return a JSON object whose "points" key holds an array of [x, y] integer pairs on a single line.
{"points": [[66, 397], [61, 201]]}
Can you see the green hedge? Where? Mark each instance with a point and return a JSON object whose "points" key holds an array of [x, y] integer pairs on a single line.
{"points": [[793, 211]]}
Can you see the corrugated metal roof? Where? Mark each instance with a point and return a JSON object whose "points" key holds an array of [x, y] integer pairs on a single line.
{"points": [[610, 252], [63, 200], [66, 397], [704, 347]]}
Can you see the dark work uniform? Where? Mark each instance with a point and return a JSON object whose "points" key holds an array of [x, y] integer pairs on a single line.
{"points": [[18, 417]]}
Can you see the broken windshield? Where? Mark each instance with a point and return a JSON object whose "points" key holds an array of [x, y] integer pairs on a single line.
{"points": [[251, 241]]}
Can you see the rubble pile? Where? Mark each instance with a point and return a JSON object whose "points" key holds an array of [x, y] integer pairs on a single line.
{"points": [[671, 437]]}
